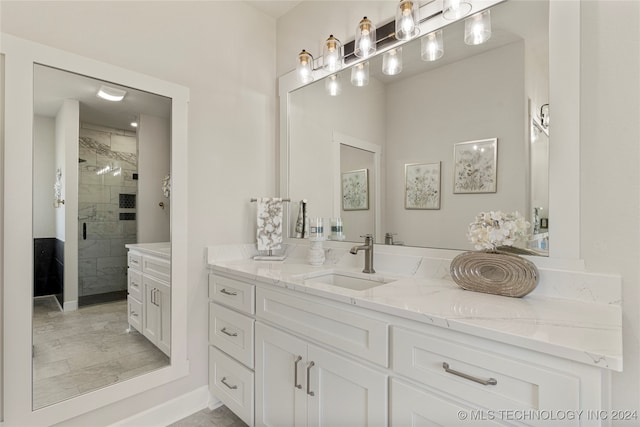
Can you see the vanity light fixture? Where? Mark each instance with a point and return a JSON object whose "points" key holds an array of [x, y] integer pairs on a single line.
{"points": [[333, 85], [432, 46], [392, 62], [455, 9], [111, 93], [365, 44], [407, 20], [332, 55], [360, 74], [477, 28], [304, 68]]}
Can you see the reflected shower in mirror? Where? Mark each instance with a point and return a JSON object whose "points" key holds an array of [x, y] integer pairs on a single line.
{"points": [[417, 117], [98, 184]]}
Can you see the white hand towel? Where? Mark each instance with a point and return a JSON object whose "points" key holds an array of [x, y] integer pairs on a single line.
{"points": [[269, 233]]}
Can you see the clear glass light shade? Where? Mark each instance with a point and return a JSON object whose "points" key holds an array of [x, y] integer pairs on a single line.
{"points": [[455, 9], [407, 20], [477, 28], [392, 62], [332, 55], [360, 74], [304, 68], [432, 46], [365, 44], [333, 85]]}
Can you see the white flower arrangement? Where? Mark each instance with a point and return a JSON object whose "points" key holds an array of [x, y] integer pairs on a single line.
{"points": [[493, 229], [166, 186]]}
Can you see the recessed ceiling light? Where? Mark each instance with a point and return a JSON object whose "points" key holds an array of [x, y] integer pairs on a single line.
{"points": [[134, 124], [111, 93]]}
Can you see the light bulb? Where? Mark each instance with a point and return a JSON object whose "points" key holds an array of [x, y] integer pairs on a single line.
{"points": [[332, 55], [432, 46], [304, 68], [455, 9], [477, 28], [406, 20], [333, 85], [365, 44], [392, 62], [360, 74]]}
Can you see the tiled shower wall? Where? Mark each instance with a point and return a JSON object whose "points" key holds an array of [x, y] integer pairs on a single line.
{"points": [[107, 173]]}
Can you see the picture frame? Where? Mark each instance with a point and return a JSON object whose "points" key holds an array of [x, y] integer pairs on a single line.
{"points": [[422, 186], [355, 190], [475, 166]]}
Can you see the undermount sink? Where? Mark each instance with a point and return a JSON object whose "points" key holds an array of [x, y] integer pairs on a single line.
{"points": [[347, 280]]}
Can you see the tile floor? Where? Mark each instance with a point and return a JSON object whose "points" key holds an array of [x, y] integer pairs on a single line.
{"points": [[220, 417], [87, 349]]}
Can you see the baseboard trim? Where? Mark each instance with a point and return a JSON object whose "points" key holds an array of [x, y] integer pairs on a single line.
{"points": [[171, 411], [71, 305]]}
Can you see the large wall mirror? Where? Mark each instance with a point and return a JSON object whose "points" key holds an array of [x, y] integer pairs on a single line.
{"points": [[120, 151], [425, 124], [90, 184]]}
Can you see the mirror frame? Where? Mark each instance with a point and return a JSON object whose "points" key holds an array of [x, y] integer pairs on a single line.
{"points": [[564, 98], [19, 57]]}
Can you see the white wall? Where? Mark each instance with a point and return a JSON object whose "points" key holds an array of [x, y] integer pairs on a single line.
{"points": [[609, 163], [203, 46], [610, 157], [431, 124], [44, 177], [154, 148], [67, 130]]}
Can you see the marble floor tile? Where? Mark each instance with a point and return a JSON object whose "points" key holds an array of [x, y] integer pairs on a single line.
{"points": [[87, 349], [219, 417]]}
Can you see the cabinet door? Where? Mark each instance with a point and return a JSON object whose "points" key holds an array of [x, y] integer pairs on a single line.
{"points": [[414, 407], [279, 399], [345, 393], [163, 300], [150, 312]]}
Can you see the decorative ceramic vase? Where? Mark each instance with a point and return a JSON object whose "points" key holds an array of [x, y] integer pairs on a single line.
{"points": [[494, 272], [316, 251]]}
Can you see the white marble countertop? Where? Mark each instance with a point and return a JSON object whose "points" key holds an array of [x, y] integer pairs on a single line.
{"points": [[161, 249], [585, 332]]}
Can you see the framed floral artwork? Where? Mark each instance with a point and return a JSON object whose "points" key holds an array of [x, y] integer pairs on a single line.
{"points": [[355, 190], [422, 186], [475, 165]]}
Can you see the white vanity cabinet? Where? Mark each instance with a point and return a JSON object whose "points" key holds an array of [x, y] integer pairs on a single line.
{"points": [[149, 299], [231, 341]]}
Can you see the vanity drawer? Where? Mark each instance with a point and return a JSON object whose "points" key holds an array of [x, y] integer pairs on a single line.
{"points": [[519, 385], [157, 267], [341, 328], [134, 260], [134, 284], [232, 293], [134, 308], [232, 333], [232, 383]]}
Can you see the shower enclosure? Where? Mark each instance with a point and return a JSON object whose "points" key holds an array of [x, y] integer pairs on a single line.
{"points": [[107, 208]]}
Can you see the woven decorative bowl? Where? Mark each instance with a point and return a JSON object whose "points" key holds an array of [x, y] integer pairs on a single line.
{"points": [[495, 273]]}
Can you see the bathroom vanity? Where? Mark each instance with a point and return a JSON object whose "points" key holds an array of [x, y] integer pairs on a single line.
{"points": [[149, 292], [292, 344]]}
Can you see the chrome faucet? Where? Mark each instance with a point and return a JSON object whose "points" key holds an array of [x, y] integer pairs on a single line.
{"points": [[368, 253]]}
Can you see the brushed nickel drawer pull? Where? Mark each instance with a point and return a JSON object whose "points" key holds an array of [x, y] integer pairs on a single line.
{"points": [[309, 366], [295, 372], [231, 334], [490, 381], [226, 292], [224, 381]]}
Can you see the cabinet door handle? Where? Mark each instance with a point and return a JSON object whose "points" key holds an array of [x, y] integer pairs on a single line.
{"points": [[309, 366], [226, 292], [295, 372], [231, 334], [224, 381], [158, 297], [490, 381], [153, 294]]}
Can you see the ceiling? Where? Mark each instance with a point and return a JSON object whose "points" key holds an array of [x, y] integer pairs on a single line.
{"points": [[52, 86]]}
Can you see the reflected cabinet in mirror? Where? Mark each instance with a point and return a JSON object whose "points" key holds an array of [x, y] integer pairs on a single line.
{"points": [[101, 234], [453, 137]]}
